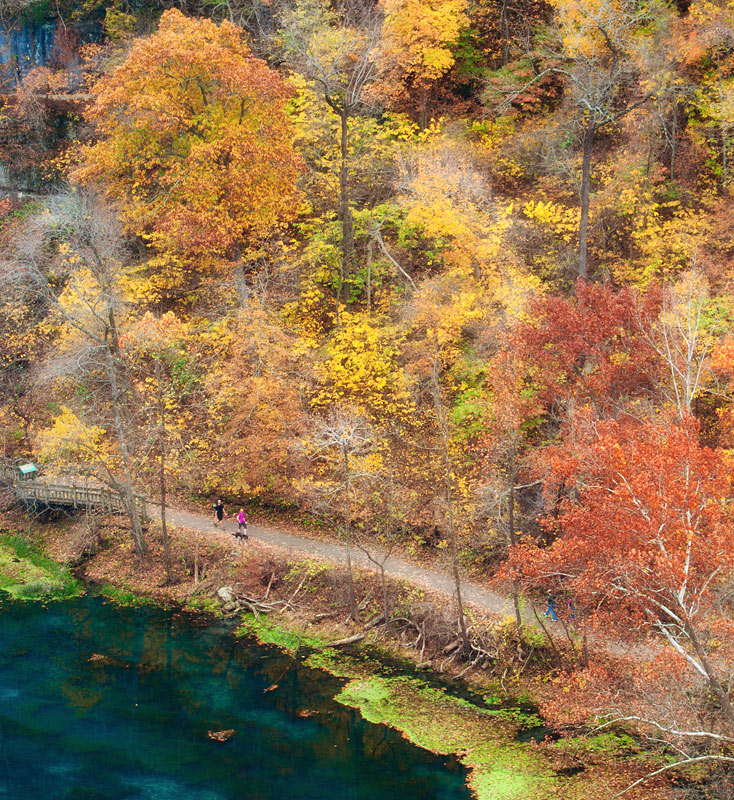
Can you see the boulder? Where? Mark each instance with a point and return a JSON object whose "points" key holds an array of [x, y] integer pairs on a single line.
{"points": [[225, 594]]}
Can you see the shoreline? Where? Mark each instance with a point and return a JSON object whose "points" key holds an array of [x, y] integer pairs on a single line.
{"points": [[484, 737]]}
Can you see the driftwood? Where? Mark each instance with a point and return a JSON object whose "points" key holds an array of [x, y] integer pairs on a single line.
{"points": [[374, 622], [233, 603], [325, 615], [253, 605], [293, 596], [270, 584]]}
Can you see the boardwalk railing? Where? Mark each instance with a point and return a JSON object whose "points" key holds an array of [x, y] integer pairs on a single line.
{"points": [[71, 495]]}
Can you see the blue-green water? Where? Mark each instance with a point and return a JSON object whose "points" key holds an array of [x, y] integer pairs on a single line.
{"points": [[99, 702]]}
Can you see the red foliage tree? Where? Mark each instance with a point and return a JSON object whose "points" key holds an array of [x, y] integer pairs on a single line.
{"points": [[644, 537], [590, 347]]}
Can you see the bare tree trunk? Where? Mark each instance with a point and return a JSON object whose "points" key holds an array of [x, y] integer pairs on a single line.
{"points": [[345, 211], [673, 141], [385, 601], [423, 116], [724, 132], [162, 443], [584, 197], [370, 248], [348, 533], [164, 525], [449, 496], [513, 542], [505, 33], [721, 693], [121, 435]]}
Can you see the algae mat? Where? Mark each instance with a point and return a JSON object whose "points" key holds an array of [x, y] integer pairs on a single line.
{"points": [[500, 769]]}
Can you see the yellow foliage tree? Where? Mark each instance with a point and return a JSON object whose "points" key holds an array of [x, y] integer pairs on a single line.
{"points": [[418, 35], [69, 440], [362, 370], [417, 43], [194, 141]]}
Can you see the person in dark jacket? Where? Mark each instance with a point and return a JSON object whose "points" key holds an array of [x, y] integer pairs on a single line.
{"points": [[219, 514]]}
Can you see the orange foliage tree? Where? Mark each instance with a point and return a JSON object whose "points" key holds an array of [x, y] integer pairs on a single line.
{"points": [[194, 141]]}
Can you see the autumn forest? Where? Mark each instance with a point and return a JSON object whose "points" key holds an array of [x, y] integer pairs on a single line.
{"points": [[448, 277]]}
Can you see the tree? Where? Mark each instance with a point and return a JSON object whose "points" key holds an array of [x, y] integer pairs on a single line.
{"points": [[418, 36], [337, 50], [194, 142], [591, 349], [599, 38], [512, 413], [442, 424], [644, 540], [439, 313], [31, 119], [165, 381], [68, 261], [259, 403], [682, 336], [706, 43], [598, 50], [342, 442]]}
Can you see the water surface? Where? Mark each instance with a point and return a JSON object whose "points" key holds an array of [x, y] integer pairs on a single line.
{"points": [[99, 702]]}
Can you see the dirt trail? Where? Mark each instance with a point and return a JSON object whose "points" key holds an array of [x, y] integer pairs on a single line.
{"points": [[490, 601], [332, 551]]}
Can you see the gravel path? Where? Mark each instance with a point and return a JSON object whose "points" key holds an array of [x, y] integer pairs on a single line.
{"points": [[332, 551]]}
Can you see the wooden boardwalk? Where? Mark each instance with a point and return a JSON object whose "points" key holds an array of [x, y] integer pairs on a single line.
{"points": [[70, 495]]}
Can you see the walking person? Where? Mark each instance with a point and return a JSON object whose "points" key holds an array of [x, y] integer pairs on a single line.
{"points": [[242, 526], [219, 514], [551, 607]]}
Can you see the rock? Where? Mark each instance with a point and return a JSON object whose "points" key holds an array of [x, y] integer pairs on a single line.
{"points": [[227, 607], [225, 594]]}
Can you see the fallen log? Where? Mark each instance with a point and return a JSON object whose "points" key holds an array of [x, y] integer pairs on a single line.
{"points": [[341, 642], [374, 622]]}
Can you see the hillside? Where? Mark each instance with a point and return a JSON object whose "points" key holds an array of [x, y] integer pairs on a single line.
{"points": [[454, 276]]}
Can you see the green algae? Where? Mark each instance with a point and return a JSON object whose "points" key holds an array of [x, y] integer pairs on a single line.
{"points": [[123, 596], [482, 738], [265, 632]]}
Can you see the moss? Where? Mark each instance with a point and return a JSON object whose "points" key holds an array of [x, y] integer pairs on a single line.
{"points": [[610, 743], [122, 596], [207, 604], [343, 664], [26, 573], [525, 720]]}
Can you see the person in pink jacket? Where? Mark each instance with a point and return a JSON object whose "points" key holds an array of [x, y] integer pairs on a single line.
{"points": [[242, 526]]}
